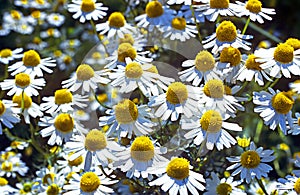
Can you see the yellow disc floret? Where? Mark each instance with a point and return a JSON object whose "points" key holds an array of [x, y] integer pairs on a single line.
{"points": [[142, 149], [2, 108], [177, 93], [48, 178], [64, 123], [252, 64], [3, 181], [219, 4], [250, 159], [243, 142], [88, 5], [204, 61], [126, 111], [226, 32], [84, 72], [133, 70], [89, 182], [22, 80], [297, 186], [126, 50], [223, 189], [15, 14], [53, 189], [116, 19], [5, 53], [127, 39], [7, 166], [282, 102], [63, 96], [27, 101], [214, 88], [95, 140], [178, 23], [77, 161], [254, 6], [295, 43], [231, 55], [178, 168], [284, 53], [211, 121], [31, 58], [153, 69], [154, 9]]}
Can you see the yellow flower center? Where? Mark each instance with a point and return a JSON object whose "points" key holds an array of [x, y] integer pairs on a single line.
{"points": [[27, 101], [295, 43], [48, 178], [2, 108], [84, 72], [7, 166], [7, 155], [127, 39], [252, 64], [53, 189], [231, 55], [3, 181], [178, 168], [88, 5], [51, 32], [214, 88], [211, 121], [63, 96], [64, 123], [95, 140], [89, 182], [282, 102], [15, 14], [177, 93], [96, 55], [284, 53], [219, 4], [36, 14], [67, 60], [126, 111], [126, 50], [31, 58], [297, 186], [153, 69], [133, 70], [250, 159], [226, 31], [77, 161], [142, 149], [4, 53], [41, 2], [102, 97], [37, 40], [204, 61], [223, 189], [243, 142], [178, 23], [22, 80], [15, 144], [227, 90], [154, 9], [254, 6], [116, 20], [55, 17]]}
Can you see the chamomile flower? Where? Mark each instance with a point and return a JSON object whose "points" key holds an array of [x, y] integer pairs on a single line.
{"points": [[281, 60], [12, 167], [289, 184], [7, 55], [25, 188], [270, 187], [50, 32], [275, 108], [127, 119], [178, 99], [85, 79], [38, 4], [32, 64], [210, 128], [8, 115], [67, 166], [178, 177], [116, 25], [37, 44], [23, 82], [87, 10], [56, 19], [37, 18], [255, 11], [184, 2], [295, 129], [137, 159], [295, 86], [202, 67], [215, 185], [226, 35], [5, 188], [252, 163], [17, 145]]}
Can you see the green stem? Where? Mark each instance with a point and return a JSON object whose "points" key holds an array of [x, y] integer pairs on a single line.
{"points": [[246, 25], [260, 183], [258, 131], [274, 83], [105, 106], [197, 24], [34, 143], [95, 31]]}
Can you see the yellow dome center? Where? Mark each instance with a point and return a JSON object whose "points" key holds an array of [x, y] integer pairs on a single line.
{"points": [[77, 161], [84, 72], [178, 168], [63, 96], [4, 53], [178, 23], [153, 69], [27, 101], [126, 50], [48, 178], [284, 53], [15, 14], [127, 39], [297, 186], [126, 112], [7, 166], [154, 9], [116, 20], [96, 55], [219, 4], [295, 43], [2, 108], [243, 142], [36, 14], [226, 31], [223, 189], [31, 58], [88, 5], [252, 64], [133, 70], [254, 6], [3, 181], [214, 88], [95, 140], [53, 189], [22, 80], [89, 182], [177, 93], [231, 55], [67, 60], [64, 123], [211, 121], [250, 159], [204, 61], [102, 97], [282, 102], [142, 149]]}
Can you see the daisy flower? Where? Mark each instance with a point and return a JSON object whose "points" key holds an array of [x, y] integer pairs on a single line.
{"points": [[255, 11], [32, 64], [87, 183], [226, 35], [281, 60], [23, 82], [38, 4], [295, 86], [177, 177], [7, 55], [13, 166], [56, 19], [184, 2], [87, 10], [178, 99], [37, 18], [209, 127], [50, 32], [67, 166], [137, 159], [275, 108], [95, 146], [224, 186], [116, 25], [251, 164], [289, 184], [85, 79], [127, 119], [5, 188], [8, 114], [25, 188], [270, 187], [295, 129], [17, 145]]}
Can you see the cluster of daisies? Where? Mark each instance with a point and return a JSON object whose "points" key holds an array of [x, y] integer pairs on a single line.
{"points": [[121, 123]]}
